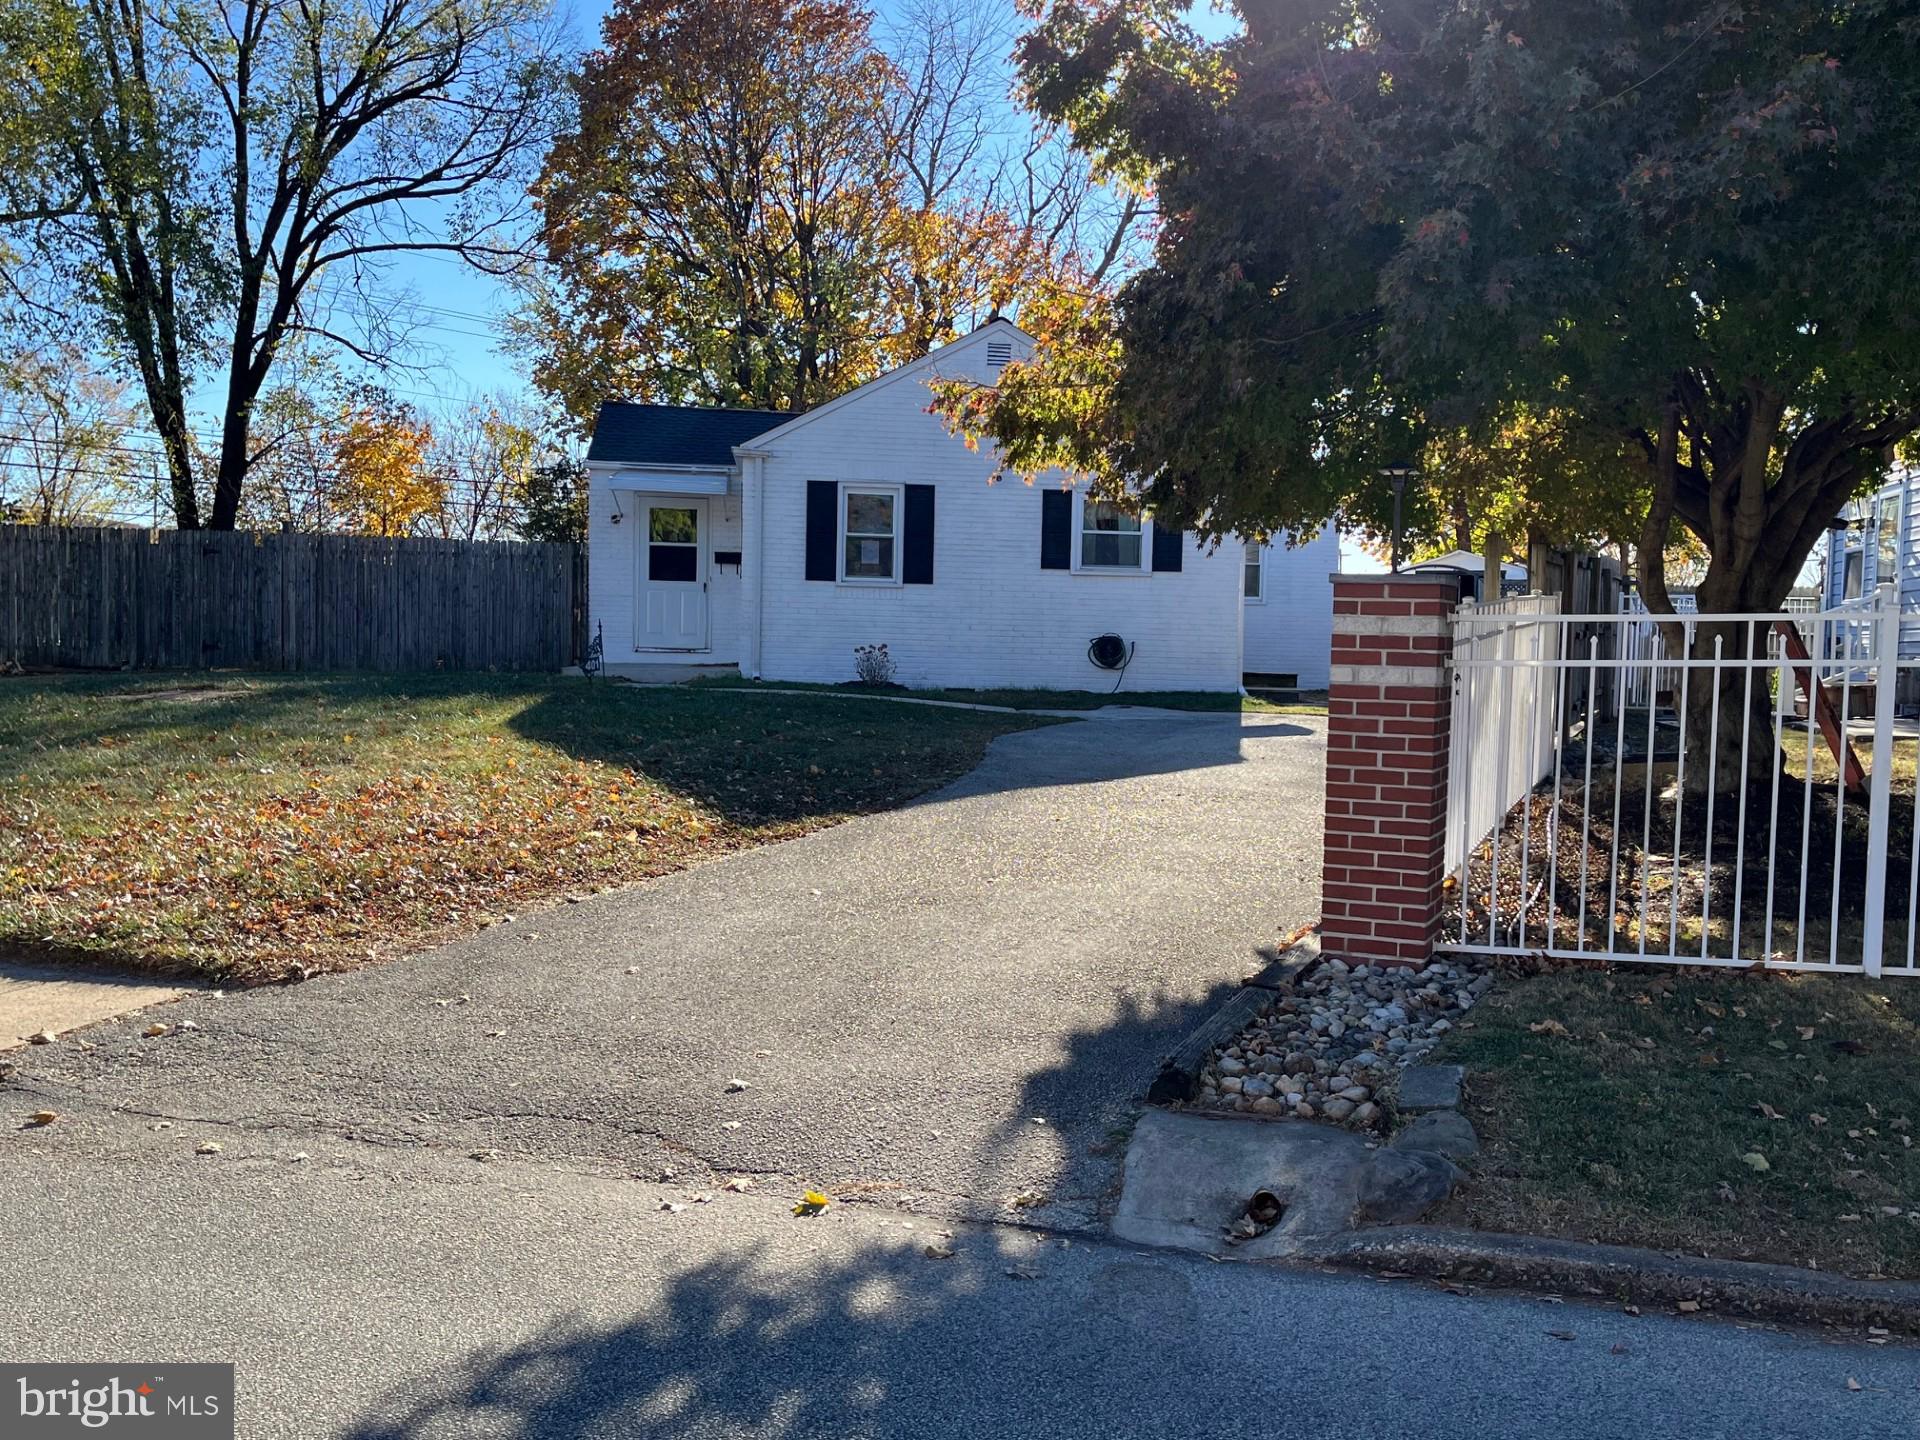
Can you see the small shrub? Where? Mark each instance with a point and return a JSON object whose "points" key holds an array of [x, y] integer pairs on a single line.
{"points": [[873, 664]]}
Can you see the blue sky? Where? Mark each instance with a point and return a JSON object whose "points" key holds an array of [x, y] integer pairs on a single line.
{"points": [[459, 309]]}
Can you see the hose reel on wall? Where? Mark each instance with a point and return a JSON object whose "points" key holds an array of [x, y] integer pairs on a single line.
{"points": [[1111, 652]]}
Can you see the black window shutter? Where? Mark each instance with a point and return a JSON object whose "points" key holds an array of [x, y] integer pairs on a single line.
{"points": [[916, 550], [1056, 530], [1168, 544], [823, 528]]}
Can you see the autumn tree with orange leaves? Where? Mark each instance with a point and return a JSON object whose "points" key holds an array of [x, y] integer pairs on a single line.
{"points": [[765, 203], [382, 483]]}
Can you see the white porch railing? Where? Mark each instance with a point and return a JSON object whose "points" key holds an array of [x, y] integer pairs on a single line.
{"points": [[1588, 816]]}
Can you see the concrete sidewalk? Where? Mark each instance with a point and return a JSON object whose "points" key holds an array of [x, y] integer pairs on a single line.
{"points": [[53, 999]]}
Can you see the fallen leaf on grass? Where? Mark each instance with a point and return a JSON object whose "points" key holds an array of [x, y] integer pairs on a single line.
{"points": [[1754, 1160], [1850, 1047], [1805, 1032], [1816, 1120], [1767, 1112], [1551, 1027], [812, 1203]]}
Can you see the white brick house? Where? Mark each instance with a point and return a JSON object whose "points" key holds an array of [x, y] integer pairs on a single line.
{"points": [[776, 544], [1289, 609]]}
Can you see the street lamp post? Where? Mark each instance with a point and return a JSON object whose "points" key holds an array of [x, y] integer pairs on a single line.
{"points": [[1398, 474]]}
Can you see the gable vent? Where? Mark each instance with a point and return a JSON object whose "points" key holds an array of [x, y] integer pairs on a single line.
{"points": [[999, 354]]}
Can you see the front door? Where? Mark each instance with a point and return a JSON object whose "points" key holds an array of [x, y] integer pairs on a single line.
{"points": [[673, 575]]}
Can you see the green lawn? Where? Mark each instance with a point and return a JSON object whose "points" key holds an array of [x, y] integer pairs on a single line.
{"points": [[1310, 702], [234, 827], [1623, 1106]]}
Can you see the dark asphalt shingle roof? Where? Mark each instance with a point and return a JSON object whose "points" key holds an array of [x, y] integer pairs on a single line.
{"points": [[675, 434]]}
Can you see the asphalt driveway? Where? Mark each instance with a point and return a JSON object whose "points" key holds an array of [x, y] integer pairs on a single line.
{"points": [[949, 1004]]}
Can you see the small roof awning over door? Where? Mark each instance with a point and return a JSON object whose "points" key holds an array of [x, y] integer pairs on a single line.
{"points": [[670, 482]]}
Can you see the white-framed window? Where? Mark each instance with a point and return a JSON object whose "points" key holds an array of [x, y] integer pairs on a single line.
{"points": [[870, 534], [1108, 540], [1253, 587]]}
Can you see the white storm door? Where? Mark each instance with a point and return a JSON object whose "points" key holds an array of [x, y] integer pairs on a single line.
{"points": [[673, 575]]}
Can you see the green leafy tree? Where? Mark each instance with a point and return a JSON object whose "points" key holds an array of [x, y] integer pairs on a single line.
{"points": [[1687, 222], [553, 501]]}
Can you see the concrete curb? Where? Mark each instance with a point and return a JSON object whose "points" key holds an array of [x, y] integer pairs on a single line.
{"points": [[1624, 1273], [1179, 1077]]}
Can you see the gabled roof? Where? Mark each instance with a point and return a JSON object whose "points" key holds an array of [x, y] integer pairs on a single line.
{"points": [[668, 435], [999, 329]]}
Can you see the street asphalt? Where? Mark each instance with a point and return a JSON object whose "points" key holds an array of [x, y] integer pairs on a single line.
{"points": [[431, 1199], [375, 1294]]}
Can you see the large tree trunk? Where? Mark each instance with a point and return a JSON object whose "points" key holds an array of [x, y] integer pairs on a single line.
{"points": [[1731, 740], [1760, 500]]}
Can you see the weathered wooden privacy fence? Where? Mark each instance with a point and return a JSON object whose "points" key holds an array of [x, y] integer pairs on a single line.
{"points": [[113, 598]]}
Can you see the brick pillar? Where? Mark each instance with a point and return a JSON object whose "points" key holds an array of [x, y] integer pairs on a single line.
{"points": [[1390, 711]]}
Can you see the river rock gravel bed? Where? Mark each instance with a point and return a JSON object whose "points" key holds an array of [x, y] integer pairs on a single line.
{"points": [[1333, 1046]]}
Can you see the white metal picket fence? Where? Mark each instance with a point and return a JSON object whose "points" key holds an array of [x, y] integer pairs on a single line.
{"points": [[1515, 645], [1589, 817]]}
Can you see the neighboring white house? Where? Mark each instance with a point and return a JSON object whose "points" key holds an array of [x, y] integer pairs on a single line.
{"points": [[778, 544], [1287, 596], [1471, 568]]}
